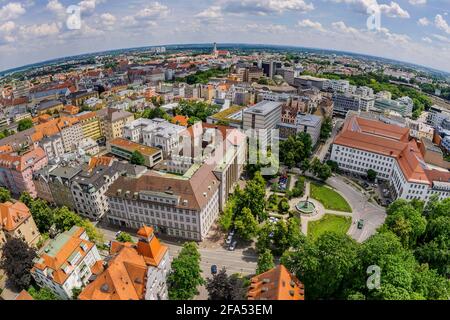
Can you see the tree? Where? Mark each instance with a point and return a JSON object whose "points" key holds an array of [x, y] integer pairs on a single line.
{"points": [[254, 197], [406, 222], [371, 175], [42, 294], [295, 149], [76, 292], [320, 170], [323, 265], [42, 214], [283, 205], [124, 237], [5, 195], [24, 124], [265, 261], [325, 130], [226, 218], [246, 224], [185, 276], [137, 158], [17, 262], [224, 287]]}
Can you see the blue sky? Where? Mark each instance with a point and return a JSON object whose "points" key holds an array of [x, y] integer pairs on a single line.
{"points": [[415, 31]]}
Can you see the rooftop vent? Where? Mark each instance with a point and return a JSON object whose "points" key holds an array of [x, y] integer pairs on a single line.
{"points": [[104, 288], [266, 280], [291, 293]]}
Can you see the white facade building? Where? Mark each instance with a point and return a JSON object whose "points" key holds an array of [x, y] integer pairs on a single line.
{"points": [[66, 263]]}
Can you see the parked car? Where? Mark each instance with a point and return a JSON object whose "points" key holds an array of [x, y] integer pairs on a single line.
{"points": [[229, 239], [232, 246], [213, 269], [232, 232], [118, 233]]}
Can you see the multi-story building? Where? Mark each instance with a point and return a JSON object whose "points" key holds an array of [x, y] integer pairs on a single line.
{"points": [[78, 98], [124, 148], [181, 206], [112, 122], [366, 144], [66, 262], [436, 115], [276, 284], [17, 222], [59, 183], [308, 123], [90, 125], [344, 102], [89, 186], [51, 106], [337, 85], [134, 272], [262, 117], [403, 106], [17, 168], [157, 133]]}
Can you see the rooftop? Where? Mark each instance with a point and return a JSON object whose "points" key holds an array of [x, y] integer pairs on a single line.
{"points": [[276, 284], [263, 107], [131, 146]]}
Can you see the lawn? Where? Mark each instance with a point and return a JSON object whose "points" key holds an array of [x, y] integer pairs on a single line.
{"points": [[329, 223], [330, 199]]}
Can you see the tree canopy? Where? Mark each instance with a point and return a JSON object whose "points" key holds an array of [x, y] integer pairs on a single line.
{"points": [[224, 287], [185, 275], [17, 262]]}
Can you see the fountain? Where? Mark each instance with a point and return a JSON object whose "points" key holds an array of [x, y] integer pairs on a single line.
{"points": [[306, 207]]}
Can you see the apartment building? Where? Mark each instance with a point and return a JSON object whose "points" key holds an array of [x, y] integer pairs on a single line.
{"points": [[17, 168], [158, 133], [367, 144], [66, 262], [89, 186], [17, 222], [403, 106], [49, 107], [90, 125], [134, 272], [124, 149], [262, 117], [78, 98], [113, 121]]}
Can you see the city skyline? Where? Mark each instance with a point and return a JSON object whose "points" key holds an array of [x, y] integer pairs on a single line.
{"points": [[414, 31]]}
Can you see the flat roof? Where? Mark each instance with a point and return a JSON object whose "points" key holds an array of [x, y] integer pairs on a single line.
{"points": [[133, 146], [264, 107]]}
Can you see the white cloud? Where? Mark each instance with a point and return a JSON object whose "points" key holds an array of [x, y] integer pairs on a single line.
{"points": [[40, 30], [392, 10], [55, 6], [214, 12], [441, 38], [266, 7], [441, 24], [108, 19], [11, 10], [343, 28], [154, 10], [417, 2], [7, 27], [427, 39], [311, 24], [423, 22]]}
